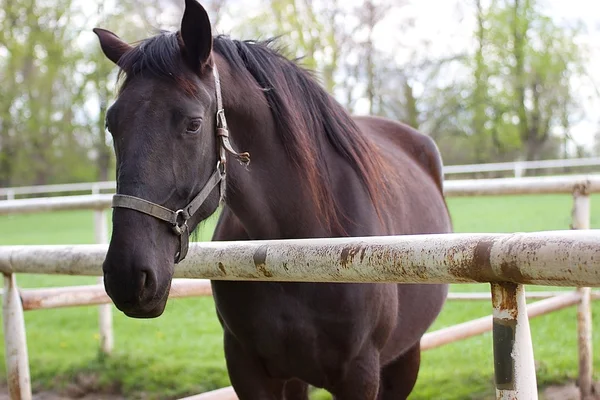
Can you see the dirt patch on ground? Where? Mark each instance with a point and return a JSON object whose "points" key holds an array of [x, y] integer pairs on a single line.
{"points": [[568, 391], [49, 395], [83, 387]]}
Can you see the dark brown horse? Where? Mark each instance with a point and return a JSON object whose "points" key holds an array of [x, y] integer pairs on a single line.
{"points": [[315, 172]]}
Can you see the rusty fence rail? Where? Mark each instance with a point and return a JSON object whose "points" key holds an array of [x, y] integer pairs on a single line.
{"points": [[550, 258], [554, 258]]}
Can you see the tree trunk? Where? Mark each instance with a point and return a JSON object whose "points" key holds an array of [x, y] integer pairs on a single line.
{"points": [[480, 92]]}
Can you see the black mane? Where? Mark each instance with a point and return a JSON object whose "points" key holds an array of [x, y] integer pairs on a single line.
{"points": [[159, 56], [308, 119]]}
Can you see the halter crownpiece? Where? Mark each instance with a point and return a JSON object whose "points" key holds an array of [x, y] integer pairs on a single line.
{"points": [[178, 219], [223, 134]]}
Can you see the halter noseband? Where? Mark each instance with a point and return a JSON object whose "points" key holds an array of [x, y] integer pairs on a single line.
{"points": [[178, 219]]}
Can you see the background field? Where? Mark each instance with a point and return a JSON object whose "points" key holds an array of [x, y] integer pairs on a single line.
{"points": [[180, 353]]}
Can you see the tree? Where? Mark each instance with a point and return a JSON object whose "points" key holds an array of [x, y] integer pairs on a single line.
{"points": [[534, 62], [39, 135], [518, 94]]}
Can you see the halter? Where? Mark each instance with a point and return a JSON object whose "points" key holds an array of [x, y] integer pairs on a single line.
{"points": [[178, 219]]}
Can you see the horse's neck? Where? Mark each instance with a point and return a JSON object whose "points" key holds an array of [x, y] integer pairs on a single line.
{"points": [[270, 198]]}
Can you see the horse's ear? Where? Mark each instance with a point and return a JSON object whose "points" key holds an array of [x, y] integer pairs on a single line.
{"points": [[196, 34], [112, 46]]}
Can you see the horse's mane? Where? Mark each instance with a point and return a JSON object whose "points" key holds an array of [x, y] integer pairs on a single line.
{"points": [[307, 118]]}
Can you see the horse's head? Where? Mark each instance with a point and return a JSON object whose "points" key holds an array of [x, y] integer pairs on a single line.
{"points": [[168, 143]]}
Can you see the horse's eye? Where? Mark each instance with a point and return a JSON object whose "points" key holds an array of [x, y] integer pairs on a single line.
{"points": [[194, 126]]}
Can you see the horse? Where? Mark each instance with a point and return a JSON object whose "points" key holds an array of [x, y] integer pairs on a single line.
{"points": [[186, 103]]}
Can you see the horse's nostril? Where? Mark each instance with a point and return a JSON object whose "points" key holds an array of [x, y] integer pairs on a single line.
{"points": [[143, 282]]}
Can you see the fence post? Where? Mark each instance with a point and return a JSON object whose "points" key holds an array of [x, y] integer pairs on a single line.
{"points": [[104, 310], [518, 170], [10, 194], [581, 220], [513, 351], [15, 342]]}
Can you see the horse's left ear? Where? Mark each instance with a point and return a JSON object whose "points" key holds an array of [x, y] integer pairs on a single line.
{"points": [[196, 34], [112, 46]]}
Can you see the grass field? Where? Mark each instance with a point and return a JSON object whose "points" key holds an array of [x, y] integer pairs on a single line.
{"points": [[180, 353]]}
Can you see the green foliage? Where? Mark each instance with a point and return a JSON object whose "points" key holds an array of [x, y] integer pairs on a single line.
{"points": [[39, 128], [523, 71], [513, 89], [181, 353]]}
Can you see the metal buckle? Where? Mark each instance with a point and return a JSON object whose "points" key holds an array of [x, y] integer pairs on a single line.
{"points": [[177, 227], [221, 121], [221, 167]]}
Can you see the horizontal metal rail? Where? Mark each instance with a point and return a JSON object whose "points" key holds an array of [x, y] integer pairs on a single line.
{"points": [[557, 258], [521, 186], [469, 296], [522, 165], [90, 295], [476, 187], [448, 170]]}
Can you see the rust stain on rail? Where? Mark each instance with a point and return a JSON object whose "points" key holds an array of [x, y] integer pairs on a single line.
{"points": [[14, 383], [478, 267], [222, 269], [260, 261], [348, 253], [504, 298]]}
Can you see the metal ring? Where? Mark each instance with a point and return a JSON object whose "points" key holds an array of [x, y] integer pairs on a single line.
{"points": [[221, 167], [176, 226], [221, 121]]}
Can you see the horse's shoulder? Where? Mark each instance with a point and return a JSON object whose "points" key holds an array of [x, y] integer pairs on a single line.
{"points": [[396, 135], [229, 227]]}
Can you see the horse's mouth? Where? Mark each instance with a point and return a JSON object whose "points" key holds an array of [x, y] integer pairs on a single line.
{"points": [[145, 311]]}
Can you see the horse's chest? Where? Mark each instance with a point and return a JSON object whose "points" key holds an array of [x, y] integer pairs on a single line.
{"points": [[265, 320], [285, 332]]}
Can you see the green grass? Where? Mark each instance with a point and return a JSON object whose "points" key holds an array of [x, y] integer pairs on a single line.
{"points": [[181, 353]]}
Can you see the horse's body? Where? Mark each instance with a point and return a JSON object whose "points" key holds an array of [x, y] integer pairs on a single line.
{"points": [[319, 332], [315, 172]]}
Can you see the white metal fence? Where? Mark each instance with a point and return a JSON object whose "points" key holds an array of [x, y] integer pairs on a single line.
{"points": [[550, 258], [516, 167]]}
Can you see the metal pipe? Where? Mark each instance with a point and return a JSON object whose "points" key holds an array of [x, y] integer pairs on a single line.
{"points": [[557, 258], [226, 393], [470, 296], [581, 220], [45, 204], [452, 188], [88, 295], [105, 318], [15, 342], [514, 368], [520, 186]]}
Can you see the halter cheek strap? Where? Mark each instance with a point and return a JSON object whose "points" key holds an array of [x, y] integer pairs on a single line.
{"points": [[178, 219]]}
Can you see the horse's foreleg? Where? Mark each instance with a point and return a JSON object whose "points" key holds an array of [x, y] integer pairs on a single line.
{"points": [[399, 377], [361, 380], [296, 390], [248, 376]]}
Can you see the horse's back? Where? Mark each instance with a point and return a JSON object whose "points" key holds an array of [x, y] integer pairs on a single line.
{"points": [[416, 176]]}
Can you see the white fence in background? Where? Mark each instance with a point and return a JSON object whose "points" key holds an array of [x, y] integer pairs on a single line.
{"points": [[518, 168], [565, 258]]}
